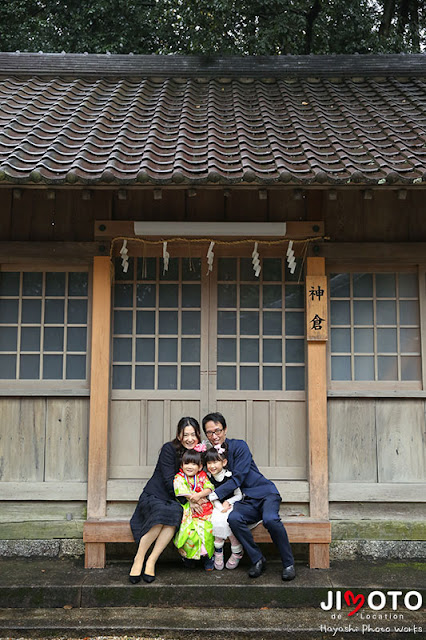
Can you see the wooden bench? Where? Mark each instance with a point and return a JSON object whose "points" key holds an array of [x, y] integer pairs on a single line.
{"points": [[315, 532]]}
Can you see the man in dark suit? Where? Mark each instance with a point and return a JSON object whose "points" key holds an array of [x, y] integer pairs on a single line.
{"points": [[261, 499]]}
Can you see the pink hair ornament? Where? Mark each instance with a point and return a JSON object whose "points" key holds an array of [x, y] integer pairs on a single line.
{"points": [[219, 449], [200, 447]]}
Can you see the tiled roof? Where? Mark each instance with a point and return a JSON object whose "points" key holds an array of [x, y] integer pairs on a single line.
{"points": [[176, 119]]}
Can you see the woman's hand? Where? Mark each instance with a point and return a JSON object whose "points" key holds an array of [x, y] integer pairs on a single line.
{"points": [[226, 506]]}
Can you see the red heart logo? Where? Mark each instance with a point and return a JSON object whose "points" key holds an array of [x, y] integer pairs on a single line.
{"points": [[352, 599]]}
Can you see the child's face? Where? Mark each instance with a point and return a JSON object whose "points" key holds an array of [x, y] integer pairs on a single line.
{"points": [[190, 468], [216, 466]]}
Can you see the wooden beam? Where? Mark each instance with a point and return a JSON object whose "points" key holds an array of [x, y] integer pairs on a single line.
{"points": [[376, 393], [122, 471], [107, 229], [298, 530], [43, 491], [317, 410], [292, 491], [319, 556], [375, 252], [95, 555], [99, 388], [377, 492], [60, 252]]}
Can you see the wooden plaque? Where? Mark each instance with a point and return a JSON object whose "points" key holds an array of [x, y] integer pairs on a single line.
{"points": [[316, 308]]}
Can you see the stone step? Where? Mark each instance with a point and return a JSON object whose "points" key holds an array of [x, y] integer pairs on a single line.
{"points": [[46, 584], [215, 623], [51, 597], [30, 583]]}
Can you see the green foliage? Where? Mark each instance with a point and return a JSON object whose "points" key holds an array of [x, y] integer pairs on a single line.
{"points": [[76, 26], [213, 27]]}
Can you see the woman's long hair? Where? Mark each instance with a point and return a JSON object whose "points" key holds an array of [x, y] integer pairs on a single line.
{"points": [[185, 422]]}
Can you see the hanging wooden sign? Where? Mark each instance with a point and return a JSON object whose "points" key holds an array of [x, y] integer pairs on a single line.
{"points": [[316, 308]]}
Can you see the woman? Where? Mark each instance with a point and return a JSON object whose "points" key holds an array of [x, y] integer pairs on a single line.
{"points": [[158, 513]]}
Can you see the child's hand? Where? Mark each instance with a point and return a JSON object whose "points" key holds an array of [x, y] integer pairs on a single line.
{"points": [[196, 508], [226, 506], [194, 497]]}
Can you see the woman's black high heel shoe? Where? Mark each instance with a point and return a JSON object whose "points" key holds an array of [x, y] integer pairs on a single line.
{"points": [[135, 579], [147, 578]]}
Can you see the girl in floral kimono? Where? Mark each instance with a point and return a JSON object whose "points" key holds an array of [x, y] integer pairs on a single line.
{"points": [[194, 539]]}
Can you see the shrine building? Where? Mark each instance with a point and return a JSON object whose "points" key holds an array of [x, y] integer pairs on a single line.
{"points": [[181, 235]]}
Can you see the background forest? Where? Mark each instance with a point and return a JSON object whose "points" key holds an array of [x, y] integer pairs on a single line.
{"points": [[257, 27]]}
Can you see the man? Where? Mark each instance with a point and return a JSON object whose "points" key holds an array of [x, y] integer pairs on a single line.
{"points": [[261, 499]]}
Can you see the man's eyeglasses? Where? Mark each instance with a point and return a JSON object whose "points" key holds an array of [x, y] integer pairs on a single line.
{"points": [[215, 432]]}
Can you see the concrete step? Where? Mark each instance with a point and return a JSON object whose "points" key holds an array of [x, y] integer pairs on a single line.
{"points": [[189, 623], [44, 583], [51, 597]]}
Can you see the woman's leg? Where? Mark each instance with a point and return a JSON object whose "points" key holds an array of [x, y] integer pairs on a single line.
{"points": [[144, 544], [163, 539]]}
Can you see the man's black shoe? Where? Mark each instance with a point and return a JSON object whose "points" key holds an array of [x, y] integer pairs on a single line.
{"points": [[257, 568], [289, 573]]}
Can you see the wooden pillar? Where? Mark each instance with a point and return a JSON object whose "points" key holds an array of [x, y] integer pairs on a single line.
{"points": [[99, 403], [317, 334]]}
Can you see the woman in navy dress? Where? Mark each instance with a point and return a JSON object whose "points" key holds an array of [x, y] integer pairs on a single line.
{"points": [[158, 513]]}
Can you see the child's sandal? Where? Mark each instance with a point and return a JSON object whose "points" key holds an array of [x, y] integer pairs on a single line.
{"points": [[218, 560], [234, 560]]}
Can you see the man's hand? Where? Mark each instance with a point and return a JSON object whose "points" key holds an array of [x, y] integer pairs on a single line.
{"points": [[226, 506]]}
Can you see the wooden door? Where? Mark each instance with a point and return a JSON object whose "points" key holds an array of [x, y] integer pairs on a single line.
{"points": [[186, 343], [256, 361], [160, 359]]}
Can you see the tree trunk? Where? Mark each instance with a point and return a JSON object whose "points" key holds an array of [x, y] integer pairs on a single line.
{"points": [[408, 18], [414, 25], [385, 24], [311, 16], [404, 9]]}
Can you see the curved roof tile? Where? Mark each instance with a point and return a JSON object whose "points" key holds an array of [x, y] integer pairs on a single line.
{"points": [[164, 119]]}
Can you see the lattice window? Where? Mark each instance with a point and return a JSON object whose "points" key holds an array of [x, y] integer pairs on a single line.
{"points": [[260, 326], [375, 327], [43, 325], [157, 325]]}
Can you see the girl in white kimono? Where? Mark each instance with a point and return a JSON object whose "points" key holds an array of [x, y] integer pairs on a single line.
{"points": [[216, 462]]}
